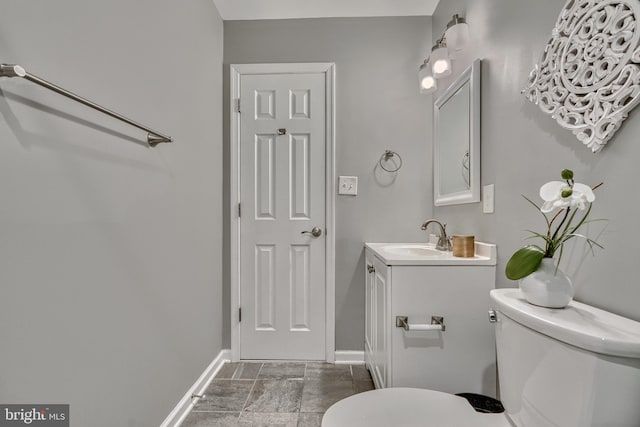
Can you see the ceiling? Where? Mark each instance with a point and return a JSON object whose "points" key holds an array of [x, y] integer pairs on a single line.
{"points": [[291, 9]]}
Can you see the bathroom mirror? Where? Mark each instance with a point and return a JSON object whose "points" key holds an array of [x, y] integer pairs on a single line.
{"points": [[456, 141]]}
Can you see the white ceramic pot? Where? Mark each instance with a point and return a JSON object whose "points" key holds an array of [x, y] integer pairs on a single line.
{"points": [[547, 287]]}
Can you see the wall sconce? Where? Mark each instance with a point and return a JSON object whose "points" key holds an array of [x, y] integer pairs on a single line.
{"points": [[438, 64], [428, 83]]}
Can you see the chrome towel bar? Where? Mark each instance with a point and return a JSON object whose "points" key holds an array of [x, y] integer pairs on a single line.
{"points": [[12, 70], [437, 324]]}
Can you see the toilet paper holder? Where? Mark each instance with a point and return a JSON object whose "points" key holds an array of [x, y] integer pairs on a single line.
{"points": [[437, 324]]}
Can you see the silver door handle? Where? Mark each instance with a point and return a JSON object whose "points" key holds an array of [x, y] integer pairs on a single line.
{"points": [[315, 232]]}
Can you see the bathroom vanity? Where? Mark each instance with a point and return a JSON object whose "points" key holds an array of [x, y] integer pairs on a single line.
{"points": [[407, 285]]}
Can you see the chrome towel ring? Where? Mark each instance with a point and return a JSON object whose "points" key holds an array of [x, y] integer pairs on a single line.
{"points": [[386, 157]]}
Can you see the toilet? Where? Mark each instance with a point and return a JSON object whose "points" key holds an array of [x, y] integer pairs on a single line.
{"points": [[572, 367]]}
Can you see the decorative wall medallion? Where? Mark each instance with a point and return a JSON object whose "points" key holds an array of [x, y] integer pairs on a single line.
{"points": [[588, 77]]}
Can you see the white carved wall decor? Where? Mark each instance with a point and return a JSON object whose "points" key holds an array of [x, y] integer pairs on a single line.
{"points": [[588, 77]]}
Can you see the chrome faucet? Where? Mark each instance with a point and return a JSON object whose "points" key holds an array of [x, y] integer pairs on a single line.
{"points": [[444, 244]]}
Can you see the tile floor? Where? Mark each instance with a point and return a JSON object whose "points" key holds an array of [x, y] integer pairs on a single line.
{"points": [[283, 394]]}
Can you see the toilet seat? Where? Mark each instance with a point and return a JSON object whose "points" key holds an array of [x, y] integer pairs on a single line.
{"points": [[408, 407]]}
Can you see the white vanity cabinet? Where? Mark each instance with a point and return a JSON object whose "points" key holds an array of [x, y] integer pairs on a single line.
{"points": [[459, 359]]}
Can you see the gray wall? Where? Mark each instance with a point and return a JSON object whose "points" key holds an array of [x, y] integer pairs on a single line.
{"points": [[110, 251], [522, 148], [378, 108]]}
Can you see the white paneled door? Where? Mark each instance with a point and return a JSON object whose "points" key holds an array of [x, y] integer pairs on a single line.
{"points": [[282, 220]]}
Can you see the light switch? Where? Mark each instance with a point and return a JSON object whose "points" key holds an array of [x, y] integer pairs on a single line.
{"points": [[348, 185], [488, 199]]}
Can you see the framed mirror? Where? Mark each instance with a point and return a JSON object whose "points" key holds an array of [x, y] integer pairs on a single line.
{"points": [[456, 141]]}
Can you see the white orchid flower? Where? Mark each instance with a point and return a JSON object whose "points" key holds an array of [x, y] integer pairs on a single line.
{"points": [[558, 195], [567, 197]]}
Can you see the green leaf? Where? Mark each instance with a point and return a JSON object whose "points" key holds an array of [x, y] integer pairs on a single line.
{"points": [[524, 262], [567, 174], [538, 208]]}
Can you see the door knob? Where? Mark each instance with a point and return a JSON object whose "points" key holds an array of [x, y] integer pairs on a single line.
{"points": [[315, 232]]}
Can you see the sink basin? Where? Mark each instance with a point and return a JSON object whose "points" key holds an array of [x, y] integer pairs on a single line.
{"points": [[413, 250]]}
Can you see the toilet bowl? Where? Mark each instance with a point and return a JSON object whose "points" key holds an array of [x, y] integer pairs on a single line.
{"points": [[572, 367]]}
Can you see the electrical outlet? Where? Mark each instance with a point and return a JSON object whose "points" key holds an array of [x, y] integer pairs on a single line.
{"points": [[488, 198], [348, 185]]}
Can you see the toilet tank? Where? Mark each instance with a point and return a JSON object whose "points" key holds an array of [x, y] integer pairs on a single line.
{"points": [[572, 367]]}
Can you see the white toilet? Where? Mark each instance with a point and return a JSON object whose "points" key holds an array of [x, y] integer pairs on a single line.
{"points": [[573, 367]]}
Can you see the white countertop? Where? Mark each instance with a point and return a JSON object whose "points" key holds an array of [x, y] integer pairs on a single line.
{"points": [[408, 254]]}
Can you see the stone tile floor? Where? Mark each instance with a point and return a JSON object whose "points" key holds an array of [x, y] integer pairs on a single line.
{"points": [[283, 394]]}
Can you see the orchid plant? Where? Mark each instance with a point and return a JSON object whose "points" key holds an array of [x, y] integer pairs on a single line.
{"points": [[571, 201]]}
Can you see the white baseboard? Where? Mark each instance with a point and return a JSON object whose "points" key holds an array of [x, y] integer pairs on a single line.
{"points": [[182, 409], [348, 357]]}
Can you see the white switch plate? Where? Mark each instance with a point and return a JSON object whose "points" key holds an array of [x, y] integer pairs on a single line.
{"points": [[348, 185], [488, 198]]}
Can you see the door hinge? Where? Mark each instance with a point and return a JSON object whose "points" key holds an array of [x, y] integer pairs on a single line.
{"points": [[239, 210], [239, 314], [237, 105]]}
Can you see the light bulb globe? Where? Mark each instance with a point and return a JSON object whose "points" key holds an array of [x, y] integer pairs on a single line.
{"points": [[457, 36], [441, 64], [427, 83]]}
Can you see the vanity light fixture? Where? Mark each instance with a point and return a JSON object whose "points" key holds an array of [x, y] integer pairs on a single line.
{"points": [[427, 82], [438, 64]]}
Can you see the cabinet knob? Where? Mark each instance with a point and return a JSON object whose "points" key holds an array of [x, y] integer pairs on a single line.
{"points": [[371, 268], [493, 316]]}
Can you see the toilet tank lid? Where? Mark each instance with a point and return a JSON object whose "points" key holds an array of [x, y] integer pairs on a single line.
{"points": [[577, 324]]}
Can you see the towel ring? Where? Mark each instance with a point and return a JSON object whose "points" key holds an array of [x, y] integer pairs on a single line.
{"points": [[388, 155]]}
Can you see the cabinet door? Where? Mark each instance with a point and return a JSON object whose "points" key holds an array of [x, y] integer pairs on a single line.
{"points": [[369, 311], [461, 359], [381, 280]]}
